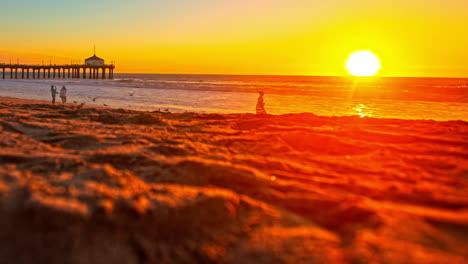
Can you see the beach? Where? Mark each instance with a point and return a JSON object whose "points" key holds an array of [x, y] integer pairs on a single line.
{"points": [[440, 99], [112, 185]]}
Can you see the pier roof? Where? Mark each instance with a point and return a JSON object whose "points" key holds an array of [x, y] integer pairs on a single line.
{"points": [[94, 57]]}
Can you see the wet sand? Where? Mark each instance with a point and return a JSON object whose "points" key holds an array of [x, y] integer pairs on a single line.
{"points": [[98, 185]]}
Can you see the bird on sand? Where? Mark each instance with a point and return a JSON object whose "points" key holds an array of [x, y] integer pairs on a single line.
{"points": [[75, 102], [81, 105], [166, 110]]}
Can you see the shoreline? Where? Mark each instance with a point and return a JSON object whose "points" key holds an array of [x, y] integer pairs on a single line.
{"points": [[428, 100], [70, 104], [126, 186]]}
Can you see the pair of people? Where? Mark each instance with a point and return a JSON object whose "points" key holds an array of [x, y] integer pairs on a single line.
{"points": [[63, 93]]}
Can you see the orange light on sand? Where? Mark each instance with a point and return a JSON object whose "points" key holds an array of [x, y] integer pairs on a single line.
{"points": [[363, 63]]}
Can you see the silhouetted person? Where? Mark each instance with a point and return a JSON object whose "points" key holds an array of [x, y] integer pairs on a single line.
{"points": [[63, 94], [53, 91], [260, 104]]}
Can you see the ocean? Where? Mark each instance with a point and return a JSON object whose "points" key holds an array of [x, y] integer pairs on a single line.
{"points": [[403, 98]]}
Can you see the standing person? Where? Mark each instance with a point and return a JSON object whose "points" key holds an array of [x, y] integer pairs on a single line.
{"points": [[63, 94], [53, 91], [260, 104]]}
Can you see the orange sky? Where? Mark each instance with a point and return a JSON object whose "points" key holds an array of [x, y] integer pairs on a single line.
{"points": [[297, 37]]}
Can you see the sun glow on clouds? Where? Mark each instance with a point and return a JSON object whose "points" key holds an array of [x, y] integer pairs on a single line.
{"points": [[300, 37]]}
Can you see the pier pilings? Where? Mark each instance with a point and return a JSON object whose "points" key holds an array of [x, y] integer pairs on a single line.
{"points": [[72, 71]]}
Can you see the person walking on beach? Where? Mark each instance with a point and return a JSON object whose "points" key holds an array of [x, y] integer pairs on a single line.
{"points": [[63, 94], [260, 104], [53, 91]]}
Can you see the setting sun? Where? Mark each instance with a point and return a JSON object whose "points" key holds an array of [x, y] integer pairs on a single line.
{"points": [[363, 63]]}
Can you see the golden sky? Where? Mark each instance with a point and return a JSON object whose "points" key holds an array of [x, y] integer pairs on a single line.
{"points": [[295, 37]]}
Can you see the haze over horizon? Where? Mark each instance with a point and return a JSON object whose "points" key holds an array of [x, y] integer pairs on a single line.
{"points": [[261, 37]]}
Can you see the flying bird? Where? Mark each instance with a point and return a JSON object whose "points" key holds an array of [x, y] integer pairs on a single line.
{"points": [[75, 102], [94, 99], [131, 94], [104, 104]]}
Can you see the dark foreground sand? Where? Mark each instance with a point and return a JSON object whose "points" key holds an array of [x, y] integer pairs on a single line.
{"points": [[97, 185]]}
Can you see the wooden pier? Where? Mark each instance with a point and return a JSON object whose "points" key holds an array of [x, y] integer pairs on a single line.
{"points": [[73, 71]]}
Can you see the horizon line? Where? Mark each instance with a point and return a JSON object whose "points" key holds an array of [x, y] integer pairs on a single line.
{"points": [[297, 75]]}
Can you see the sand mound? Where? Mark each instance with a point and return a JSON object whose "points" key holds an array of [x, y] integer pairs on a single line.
{"points": [[92, 185]]}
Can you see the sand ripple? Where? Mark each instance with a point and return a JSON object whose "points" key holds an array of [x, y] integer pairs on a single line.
{"points": [[92, 185]]}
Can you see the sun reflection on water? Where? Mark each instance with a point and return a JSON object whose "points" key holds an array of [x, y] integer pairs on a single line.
{"points": [[362, 110]]}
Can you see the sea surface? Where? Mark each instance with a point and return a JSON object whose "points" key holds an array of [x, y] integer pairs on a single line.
{"points": [[403, 98]]}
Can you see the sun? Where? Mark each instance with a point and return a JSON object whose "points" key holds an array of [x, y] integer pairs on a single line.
{"points": [[363, 63]]}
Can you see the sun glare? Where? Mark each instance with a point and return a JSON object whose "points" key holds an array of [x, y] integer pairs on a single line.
{"points": [[363, 63]]}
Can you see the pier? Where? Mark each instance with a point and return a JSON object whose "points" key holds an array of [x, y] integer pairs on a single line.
{"points": [[74, 71], [93, 68]]}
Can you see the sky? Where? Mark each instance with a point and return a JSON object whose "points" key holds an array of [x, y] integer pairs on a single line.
{"points": [[280, 37]]}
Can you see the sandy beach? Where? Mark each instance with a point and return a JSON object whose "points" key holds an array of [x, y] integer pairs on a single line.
{"points": [[104, 185]]}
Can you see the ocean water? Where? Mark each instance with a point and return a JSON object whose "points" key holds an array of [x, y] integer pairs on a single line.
{"points": [[404, 98]]}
